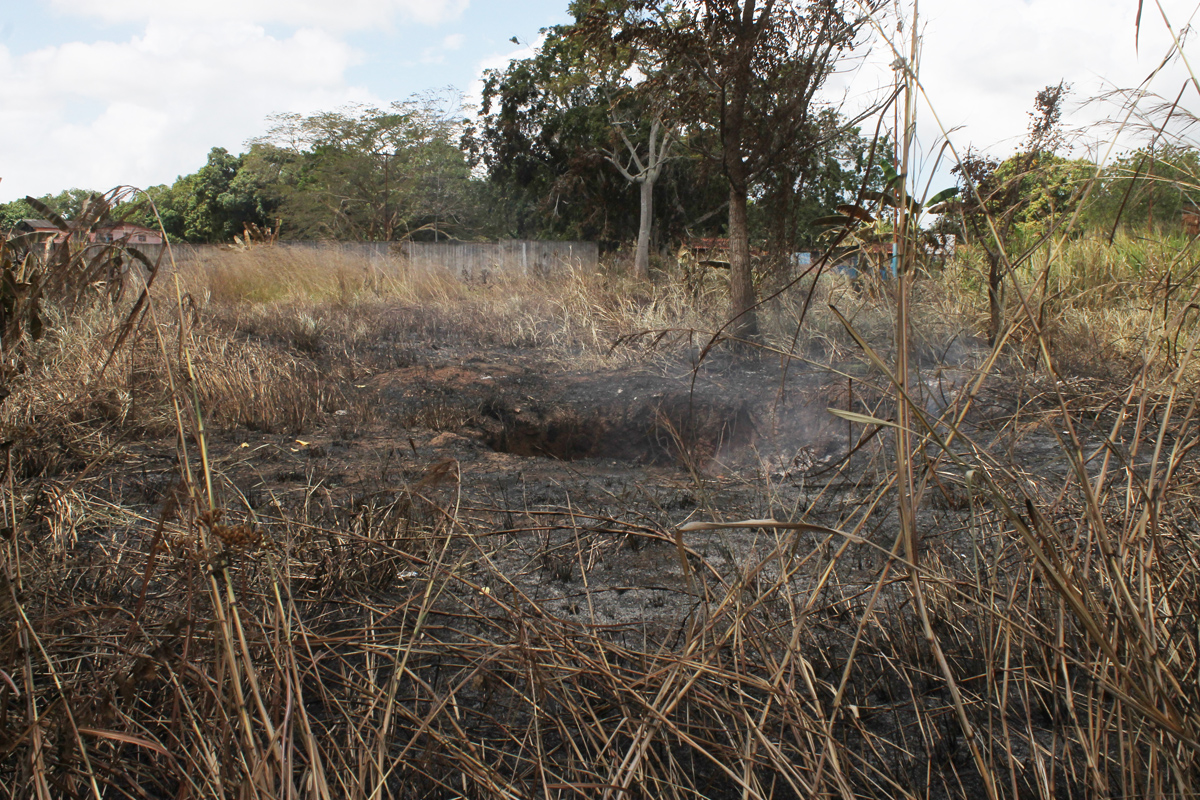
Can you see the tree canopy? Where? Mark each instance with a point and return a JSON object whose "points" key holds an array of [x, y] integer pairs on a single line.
{"points": [[367, 173], [619, 128], [1149, 187], [744, 77], [67, 204]]}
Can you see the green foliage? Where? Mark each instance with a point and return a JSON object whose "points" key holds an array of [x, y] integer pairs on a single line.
{"points": [[743, 77], [1025, 195], [171, 202], [367, 173], [548, 122], [219, 204], [69, 204], [356, 173], [213, 204], [1047, 188], [1147, 188], [1019, 198], [542, 132], [800, 199], [870, 218], [14, 212]]}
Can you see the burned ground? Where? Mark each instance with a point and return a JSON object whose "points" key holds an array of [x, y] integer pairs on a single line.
{"points": [[452, 564]]}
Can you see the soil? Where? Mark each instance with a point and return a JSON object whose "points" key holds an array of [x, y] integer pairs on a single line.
{"points": [[552, 459], [577, 479], [565, 488]]}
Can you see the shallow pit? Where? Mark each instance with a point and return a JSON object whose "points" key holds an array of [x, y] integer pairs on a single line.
{"points": [[663, 429]]}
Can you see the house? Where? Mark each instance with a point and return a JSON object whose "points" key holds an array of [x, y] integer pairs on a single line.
{"points": [[42, 227], [44, 233], [105, 233], [125, 233]]}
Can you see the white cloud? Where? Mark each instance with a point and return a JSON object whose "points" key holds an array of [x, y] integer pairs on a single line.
{"points": [[983, 63], [982, 67], [199, 74], [437, 53], [99, 114], [342, 15]]}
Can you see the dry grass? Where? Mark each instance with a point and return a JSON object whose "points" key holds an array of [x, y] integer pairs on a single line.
{"points": [[578, 311], [374, 647], [312, 297]]}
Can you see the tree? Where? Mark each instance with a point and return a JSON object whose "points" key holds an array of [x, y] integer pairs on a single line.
{"points": [[1003, 198], [213, 204], [798, 195], [745, 73], [1149, 186], [367, 173], [645, 170], [545, 127], [642, 130], [67, 204], [13, 212], [1048, 189], [642, 169], [221, 200]]}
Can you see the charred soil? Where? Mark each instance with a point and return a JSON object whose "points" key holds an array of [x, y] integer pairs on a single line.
{"points": [[466, 573]]}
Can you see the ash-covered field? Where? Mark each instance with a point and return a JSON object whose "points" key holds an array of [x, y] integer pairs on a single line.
{"points": [[395, 556]]}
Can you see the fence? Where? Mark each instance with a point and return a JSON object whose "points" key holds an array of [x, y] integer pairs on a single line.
{"points": [[468, 260], [150, 251], [476, 260]]}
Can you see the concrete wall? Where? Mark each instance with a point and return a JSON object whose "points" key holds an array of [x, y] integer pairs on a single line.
{"points": [[469, 260], [476, 260]]}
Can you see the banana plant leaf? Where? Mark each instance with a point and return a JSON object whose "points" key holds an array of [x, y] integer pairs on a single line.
{"points": [[856, 212], [50, 214], [941, 197], [835, 221]]}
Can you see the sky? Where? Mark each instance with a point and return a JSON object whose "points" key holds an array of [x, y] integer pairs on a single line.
{"points": [[100, 93]]}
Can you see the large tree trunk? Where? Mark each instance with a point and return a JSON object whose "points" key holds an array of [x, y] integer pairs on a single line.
{"points": [[741, 276], [641, 259], [733, 117]]}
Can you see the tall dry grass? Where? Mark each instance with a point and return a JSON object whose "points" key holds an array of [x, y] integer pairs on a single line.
{"points": [[301, 294]]}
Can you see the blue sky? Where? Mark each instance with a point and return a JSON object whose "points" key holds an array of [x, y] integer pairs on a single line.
{"points": [[96, 93]]}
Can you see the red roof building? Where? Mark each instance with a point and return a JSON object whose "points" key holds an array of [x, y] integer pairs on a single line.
{"points": [[125, 233]]}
